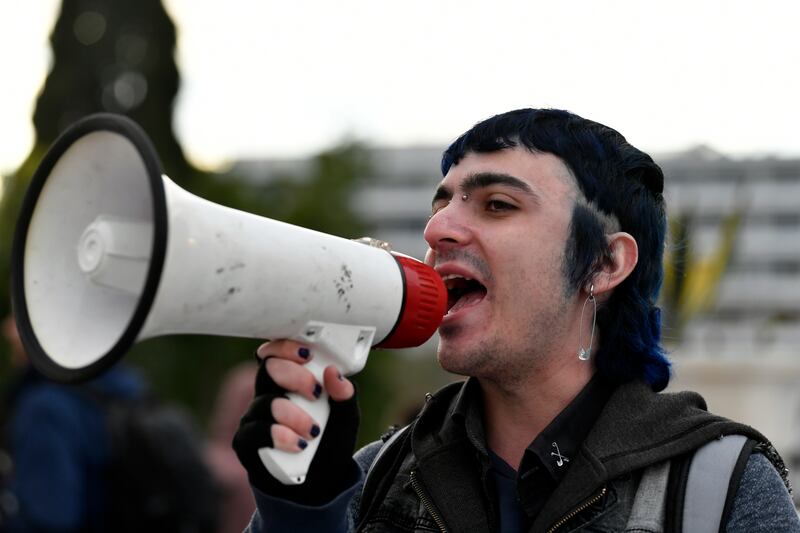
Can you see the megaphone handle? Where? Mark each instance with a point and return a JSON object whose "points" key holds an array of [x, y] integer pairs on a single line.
{"points": [[290, 468]]}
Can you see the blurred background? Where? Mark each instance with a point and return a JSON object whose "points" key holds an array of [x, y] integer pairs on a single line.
{"points": [[333, 115]]}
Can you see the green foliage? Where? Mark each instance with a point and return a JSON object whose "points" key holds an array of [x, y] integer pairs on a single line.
{"points": [[321, 200]]}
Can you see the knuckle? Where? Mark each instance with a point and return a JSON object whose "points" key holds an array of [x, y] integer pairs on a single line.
{"points": [[291, 375], [283, 437], [285, 412]]}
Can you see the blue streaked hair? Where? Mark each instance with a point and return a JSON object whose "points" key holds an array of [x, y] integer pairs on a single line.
{"points": [[618, 180]]}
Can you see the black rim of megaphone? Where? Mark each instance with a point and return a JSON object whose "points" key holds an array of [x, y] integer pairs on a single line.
{"points": [[38, 356]]}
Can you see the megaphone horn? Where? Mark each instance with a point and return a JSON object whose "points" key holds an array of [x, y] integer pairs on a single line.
{"points": [[108, 251]]}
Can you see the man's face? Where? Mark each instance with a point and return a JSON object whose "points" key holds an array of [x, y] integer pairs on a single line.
{"points": [[500, 252]]}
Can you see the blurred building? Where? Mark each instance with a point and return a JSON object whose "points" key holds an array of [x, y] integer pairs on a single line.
{"points": [[737, 329], [732, 289]]}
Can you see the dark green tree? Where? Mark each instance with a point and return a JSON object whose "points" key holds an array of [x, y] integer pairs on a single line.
{"points": [[115, 56]]}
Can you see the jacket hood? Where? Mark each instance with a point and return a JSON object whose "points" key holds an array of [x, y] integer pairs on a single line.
{"points": [[636, 429]]}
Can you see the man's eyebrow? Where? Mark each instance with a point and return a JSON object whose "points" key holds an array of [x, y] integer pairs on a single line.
{"points": [[482, 180], [485, 179]]}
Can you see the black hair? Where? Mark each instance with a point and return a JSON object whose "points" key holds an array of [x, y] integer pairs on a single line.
{"points": [[622, 186]]}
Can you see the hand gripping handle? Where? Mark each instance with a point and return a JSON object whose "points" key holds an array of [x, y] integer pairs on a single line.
{"points": [[343, 345], [290, 468]]}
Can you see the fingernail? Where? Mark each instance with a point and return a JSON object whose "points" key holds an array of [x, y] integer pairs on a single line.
{"points": [[317, 390], [261, 351], [315, 430], [304, 353], [340, 376], [302, 444]]}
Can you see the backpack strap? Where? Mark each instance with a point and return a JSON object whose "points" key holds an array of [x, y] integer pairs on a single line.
{"points": [[693, 493], [711, 485], [647, 513]]}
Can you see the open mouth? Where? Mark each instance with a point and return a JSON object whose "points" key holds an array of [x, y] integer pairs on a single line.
{"points": [[462, 292]]}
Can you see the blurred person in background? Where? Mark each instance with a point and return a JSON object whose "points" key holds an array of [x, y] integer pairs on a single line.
{"points": [[104, 455], [59, 446], [549, 232], [236, 499]]}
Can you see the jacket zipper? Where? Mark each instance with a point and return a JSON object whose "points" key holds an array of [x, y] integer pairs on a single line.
{"points": [[426, 502], [594, 499]]}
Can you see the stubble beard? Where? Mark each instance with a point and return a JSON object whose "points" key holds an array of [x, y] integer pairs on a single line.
{"points": [[500, 359]]}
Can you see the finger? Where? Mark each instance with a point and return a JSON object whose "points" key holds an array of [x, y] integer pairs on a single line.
{"points": [[285, 349], [287, 440], [339, 387], [293, 377], [290, 415]]}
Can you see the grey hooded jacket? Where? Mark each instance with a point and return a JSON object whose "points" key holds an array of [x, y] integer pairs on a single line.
{"points": [[435, 485]]}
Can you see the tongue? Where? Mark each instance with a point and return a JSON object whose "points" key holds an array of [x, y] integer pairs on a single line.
{"points": [[467, 299]]}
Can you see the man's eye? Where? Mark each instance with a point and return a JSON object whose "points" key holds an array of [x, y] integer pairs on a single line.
{"points": [[497, 206], [438, 206]]}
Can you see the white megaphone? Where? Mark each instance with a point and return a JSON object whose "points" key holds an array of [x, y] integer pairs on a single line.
{"points": [[108, 251]]}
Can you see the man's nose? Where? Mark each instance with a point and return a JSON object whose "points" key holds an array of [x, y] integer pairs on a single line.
{"points": [[448, 227]]}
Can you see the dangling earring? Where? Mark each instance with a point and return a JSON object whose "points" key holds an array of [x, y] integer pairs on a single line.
{"points": [[584, 353]]}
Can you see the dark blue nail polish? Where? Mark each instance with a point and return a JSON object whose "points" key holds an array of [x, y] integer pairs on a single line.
{"points": [[304, 353], [315, 430], [340, 376], [317, 390], [302, 444]]}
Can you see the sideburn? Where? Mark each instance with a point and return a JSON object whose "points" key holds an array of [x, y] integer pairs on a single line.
{"points": [[586, 250]]}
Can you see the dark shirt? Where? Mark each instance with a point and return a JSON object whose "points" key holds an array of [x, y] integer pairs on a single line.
{"points": [[517, 497]]}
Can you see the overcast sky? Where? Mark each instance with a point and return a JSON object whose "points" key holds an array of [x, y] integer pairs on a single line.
{"points": [[268, 78]]}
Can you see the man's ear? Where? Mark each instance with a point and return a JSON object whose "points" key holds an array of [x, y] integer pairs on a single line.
{"points": [[620, 262]]}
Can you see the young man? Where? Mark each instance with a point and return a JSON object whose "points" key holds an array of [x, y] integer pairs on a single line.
{"points": [[548, 230]]}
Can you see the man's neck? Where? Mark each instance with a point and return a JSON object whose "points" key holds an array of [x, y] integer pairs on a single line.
{"points": [[514, 416]]}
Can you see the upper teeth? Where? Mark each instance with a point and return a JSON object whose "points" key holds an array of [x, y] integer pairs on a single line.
{"points": [[450, 277]]}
